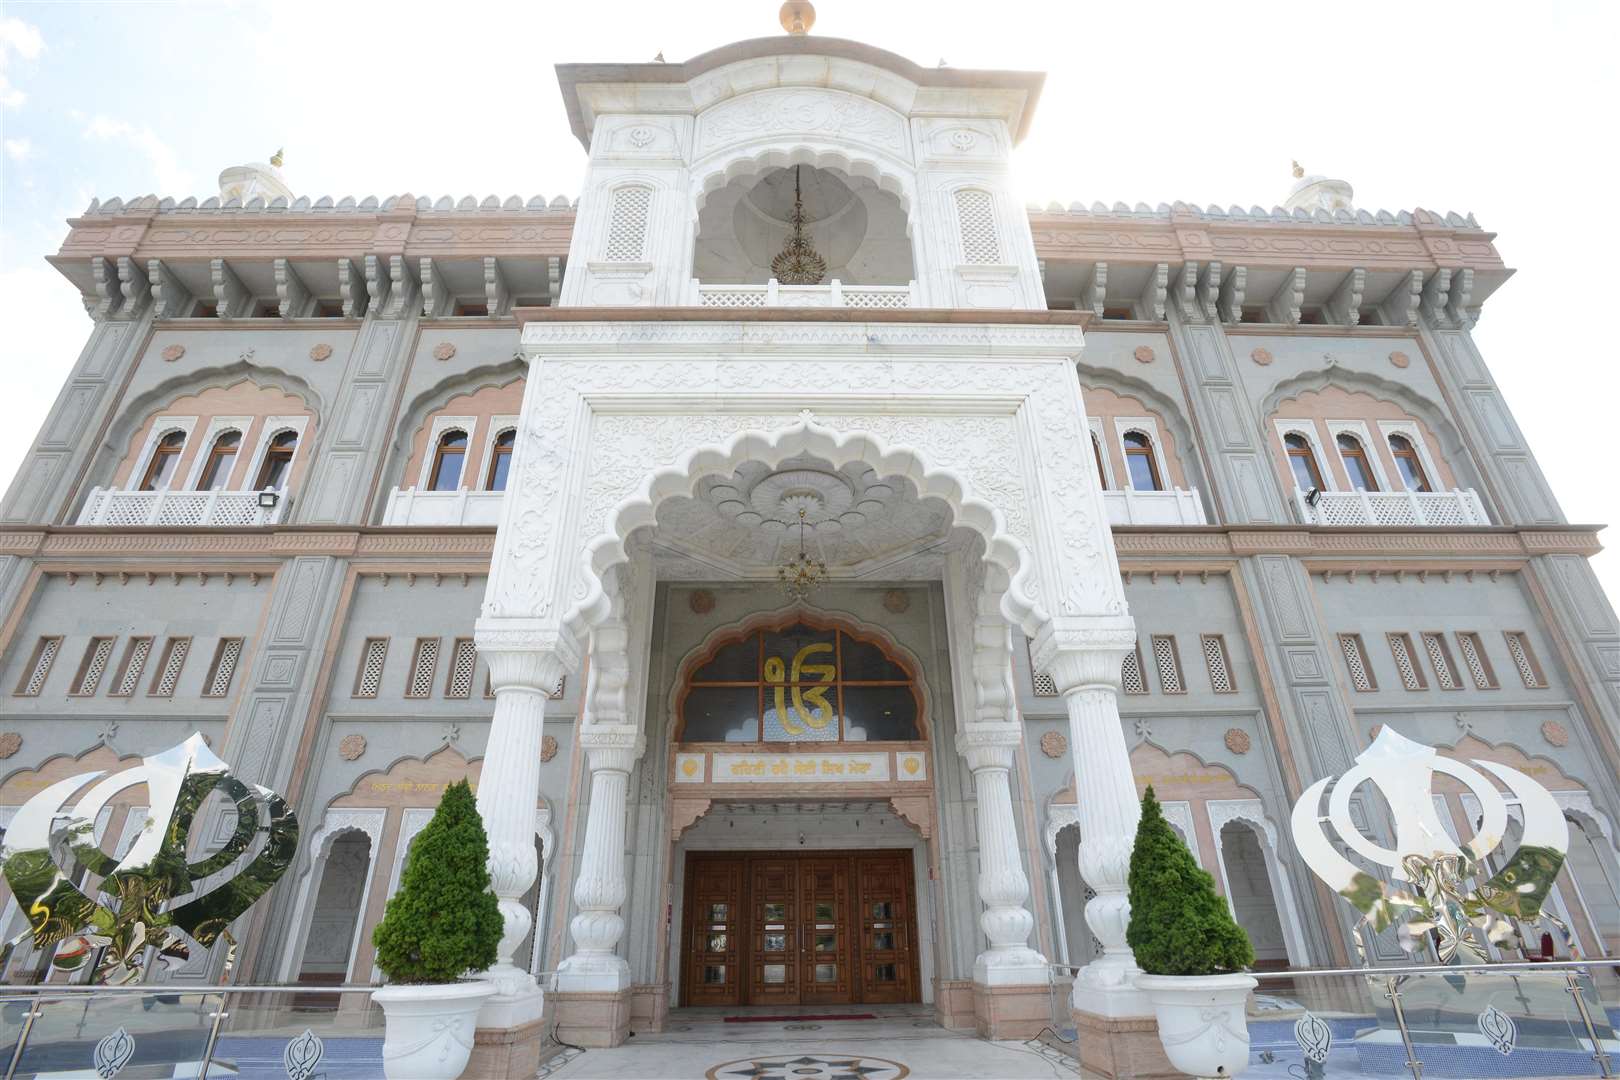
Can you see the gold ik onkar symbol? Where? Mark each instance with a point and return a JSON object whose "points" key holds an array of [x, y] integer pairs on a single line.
{"points": [[152, 891], [795, 720]]}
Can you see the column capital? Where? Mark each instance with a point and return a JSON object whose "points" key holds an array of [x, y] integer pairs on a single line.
{"points": [[524, 657], [612, 747], [1084, 655], [988, 746]]}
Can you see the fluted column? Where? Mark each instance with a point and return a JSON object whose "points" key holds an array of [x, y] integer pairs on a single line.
{"points": [[508, 792], [1003, 886], [1105, 791], [611, 751]]}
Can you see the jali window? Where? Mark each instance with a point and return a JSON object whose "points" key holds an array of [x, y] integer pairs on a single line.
{"points": [[801, 683]]}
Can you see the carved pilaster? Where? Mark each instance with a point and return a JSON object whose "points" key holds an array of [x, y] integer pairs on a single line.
{"points": [[509, 789], [1086, 667], [1286, 303], [1232, 293], [497, 296], [1344, 306], [170, 298], [231, 298], [988, 750], [296, 301], [611, 751]]}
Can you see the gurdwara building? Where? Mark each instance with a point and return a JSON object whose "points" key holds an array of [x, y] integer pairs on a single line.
{"points": [[809, 552]]}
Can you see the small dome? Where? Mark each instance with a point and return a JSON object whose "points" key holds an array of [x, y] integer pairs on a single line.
{"points": [[259, 179], [1316, 192]]}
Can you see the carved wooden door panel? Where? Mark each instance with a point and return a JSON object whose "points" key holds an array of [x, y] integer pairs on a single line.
{"points": [[828, 943], [714, 927], [774, 927], [886, 918]]}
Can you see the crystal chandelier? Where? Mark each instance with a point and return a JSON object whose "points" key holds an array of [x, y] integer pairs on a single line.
{"points": [[798, 263], [801, 575]]}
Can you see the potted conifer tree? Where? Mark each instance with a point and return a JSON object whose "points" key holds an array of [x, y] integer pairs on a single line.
{"points": [[1192, 954], [443, 924]]}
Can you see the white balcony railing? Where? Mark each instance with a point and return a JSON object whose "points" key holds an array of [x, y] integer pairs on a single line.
{"points": [[181, 509], [412, 507], [1179, 506], [1434, 509], [834, 294]]}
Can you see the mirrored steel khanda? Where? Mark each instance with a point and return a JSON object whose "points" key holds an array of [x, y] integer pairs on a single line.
{"points": [[147, 898], [1452, 890]]}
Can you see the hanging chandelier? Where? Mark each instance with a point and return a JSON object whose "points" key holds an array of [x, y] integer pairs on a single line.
{"points": [[797, 263], [801, 575]]}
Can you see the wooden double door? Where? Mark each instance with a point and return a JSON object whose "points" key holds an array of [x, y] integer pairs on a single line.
{"points": [[799, 928]]}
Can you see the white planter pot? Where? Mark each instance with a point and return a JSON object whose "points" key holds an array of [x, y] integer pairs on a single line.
{"points": [[1201, 1021], [428, 1030]]}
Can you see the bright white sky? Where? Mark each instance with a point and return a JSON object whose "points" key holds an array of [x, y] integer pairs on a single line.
{"points": [[1506, 110]]}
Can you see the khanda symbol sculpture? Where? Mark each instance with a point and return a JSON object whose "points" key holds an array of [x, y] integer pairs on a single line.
{"points": [[153, 894], [1449, 888]]}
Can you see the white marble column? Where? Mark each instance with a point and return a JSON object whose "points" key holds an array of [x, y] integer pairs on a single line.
{"points": [[1105, 790], [508, 791], [611, 751], [1003, 886]]}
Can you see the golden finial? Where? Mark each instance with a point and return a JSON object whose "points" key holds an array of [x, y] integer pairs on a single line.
{"points": [[276, 158], [798, 16], [1299, 171]]}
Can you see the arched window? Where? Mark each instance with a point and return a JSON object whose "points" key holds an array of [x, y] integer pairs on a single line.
{"points": [[1302, 460], [277, 462], [1140, 465], [216, 471], [1407, 461], [448, 457], [1096, 451], [1356, 465], [165, 456], [800, 683], [500, 461]]}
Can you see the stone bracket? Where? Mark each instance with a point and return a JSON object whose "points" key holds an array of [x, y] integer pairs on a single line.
{"points": [[1400, 307], [1436, 294], [497, 295], [296, 301], [231, 298], [1231, 294], [1286, 303], [1344, 306], [1095, 294], [133, 283], [1155, 294], [437, 299], [170, 298], [352, 287]]}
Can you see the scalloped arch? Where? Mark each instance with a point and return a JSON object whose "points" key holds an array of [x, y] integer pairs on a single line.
{"points": [[847, 158], [1008, 559], [1362, 382], [415, 415]]}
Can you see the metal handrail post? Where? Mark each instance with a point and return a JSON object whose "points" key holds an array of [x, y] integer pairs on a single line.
{"points": [[22, 1038], [219, 1016], [1574, 991], [1393, 993]]}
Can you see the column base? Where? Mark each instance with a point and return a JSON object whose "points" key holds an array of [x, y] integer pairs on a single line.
{"points": [[1121, 1047], [595, 1020], [1011, 967], [953, 1004], [512, 1053], [593, 975], [512, 1010], [1011, 1012], [649, 1007]]}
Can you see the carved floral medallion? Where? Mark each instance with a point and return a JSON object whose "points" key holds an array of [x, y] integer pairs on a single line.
{"points": [[1261, 356], [1399, 359], [701, 601], [548, 747], [10, 743], [352, 747], [320, 351], [1054, 744], [1237, 740], [1554, 732], [1144, 354], [896, 601], [444, 350], [172, 353]]}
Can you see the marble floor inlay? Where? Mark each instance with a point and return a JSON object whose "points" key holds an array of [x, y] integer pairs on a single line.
{"points": [[832, 1066]]}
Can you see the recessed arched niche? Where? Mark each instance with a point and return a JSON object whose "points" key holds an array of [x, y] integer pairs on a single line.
{"points": [[860, 230]]}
